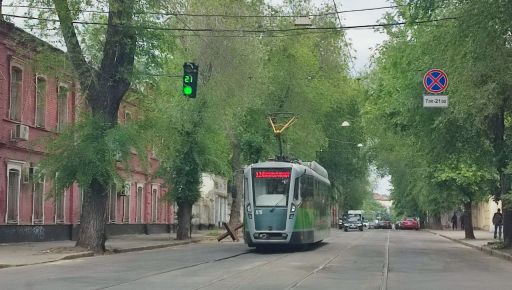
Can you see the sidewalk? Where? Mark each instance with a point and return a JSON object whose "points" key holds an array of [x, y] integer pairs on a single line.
{"points": [[483, 238], [22, 254]]}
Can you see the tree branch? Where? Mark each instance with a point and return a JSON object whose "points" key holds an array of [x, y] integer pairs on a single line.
{"points": [[76, 56], [119, 50]]}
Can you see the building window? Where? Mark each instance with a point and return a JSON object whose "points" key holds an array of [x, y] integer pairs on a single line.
{"points": [[62, 107], [13, 193], [40, 101], [16, 94], [59, 207], [38, 193], [81, 200], [126, 203], [139, 203], [112, 204], [154, 205]]}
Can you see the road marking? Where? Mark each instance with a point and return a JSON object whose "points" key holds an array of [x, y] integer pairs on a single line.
{"points": [[384, 278]]}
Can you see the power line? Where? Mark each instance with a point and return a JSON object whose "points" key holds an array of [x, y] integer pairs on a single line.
{"points": [[218, 15], [366, 26]]}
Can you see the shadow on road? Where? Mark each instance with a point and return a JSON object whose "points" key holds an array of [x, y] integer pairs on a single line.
{"points": [[280, 249]]}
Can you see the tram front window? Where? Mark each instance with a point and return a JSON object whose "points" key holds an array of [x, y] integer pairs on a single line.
{"points": [[271, 187]]}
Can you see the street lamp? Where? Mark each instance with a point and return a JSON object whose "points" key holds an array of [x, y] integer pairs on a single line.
{"points": [[345, 124]]}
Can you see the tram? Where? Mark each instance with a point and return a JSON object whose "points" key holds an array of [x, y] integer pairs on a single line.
{"points": [[286, 203]]}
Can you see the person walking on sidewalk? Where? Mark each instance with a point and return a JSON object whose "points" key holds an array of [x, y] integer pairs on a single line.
{"points": [[497, 220], [454, 221]]}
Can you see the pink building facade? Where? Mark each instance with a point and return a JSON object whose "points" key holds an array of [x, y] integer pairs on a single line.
{"points": [[33, 106]]}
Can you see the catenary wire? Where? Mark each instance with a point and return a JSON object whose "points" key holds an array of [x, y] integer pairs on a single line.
{"points": [[219, 15], [367, 26]]}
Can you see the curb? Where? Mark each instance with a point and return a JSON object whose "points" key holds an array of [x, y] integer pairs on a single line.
{"points": [[113, 251], [154, 247], [485, 249]]}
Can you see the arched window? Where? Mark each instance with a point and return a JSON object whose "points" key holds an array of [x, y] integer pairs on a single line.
{"points": [[139, 203], [40, 101], [15, 98], [154, 205], [13, 192], [62, 107]]}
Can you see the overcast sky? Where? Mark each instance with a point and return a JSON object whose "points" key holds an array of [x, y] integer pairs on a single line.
{"points": [[363, 41]]}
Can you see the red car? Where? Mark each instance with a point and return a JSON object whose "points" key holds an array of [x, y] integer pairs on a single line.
{"points": [[409, 224]]}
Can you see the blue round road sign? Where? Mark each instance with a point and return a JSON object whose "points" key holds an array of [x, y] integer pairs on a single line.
{"points": [[435, 81]]}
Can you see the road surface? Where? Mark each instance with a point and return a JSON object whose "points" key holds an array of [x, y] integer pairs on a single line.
{"points": [[373, 259]]}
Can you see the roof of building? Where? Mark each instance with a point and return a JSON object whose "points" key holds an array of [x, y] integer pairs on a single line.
{"points": [[380, 197]]}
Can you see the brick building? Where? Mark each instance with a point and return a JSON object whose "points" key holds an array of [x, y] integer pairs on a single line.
{"points": [[35, 104]]}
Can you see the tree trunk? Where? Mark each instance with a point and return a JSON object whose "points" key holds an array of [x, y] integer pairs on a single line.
{"points": [[238, 179], [468, 221], [184, 224], [92, 222], [435, 222], [497, 126], [507, 223]]}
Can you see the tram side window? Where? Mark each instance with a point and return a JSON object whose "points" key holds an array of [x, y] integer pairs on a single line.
{"points": [[246, 188], [307, 187], [296, 189]]}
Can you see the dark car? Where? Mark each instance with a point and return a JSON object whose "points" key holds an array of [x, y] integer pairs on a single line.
{"points": [[385, 224], [353, 222], [340, 223]]}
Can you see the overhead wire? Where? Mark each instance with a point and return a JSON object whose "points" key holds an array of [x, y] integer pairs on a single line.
{"points": [[274, 30], [218, 15]]}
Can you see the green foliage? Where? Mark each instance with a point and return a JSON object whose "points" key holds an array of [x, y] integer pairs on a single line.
{"points": [[88, 151], [431, 153]]}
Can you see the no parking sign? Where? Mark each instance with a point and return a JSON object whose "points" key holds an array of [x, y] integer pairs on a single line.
{"points": [[435, 82]]}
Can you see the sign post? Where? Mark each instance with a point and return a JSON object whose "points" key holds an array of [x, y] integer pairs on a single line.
{"points": [[435, 82]]}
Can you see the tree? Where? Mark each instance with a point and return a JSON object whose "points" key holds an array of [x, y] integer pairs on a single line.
{"points": [[442, 142], [104, 82]]}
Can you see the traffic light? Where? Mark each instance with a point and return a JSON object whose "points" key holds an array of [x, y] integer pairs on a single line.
{"points": [[190, 74]]}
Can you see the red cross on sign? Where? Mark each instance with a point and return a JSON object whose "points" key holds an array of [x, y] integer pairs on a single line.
{"points": [[435, 81]]}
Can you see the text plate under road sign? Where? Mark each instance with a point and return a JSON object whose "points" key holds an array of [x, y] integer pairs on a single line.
{"points": [[435, 101]]}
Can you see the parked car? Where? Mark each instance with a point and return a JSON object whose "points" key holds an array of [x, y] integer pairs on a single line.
{"points": [[384, 224], [409, 224], [353, 222], [340, 223]]}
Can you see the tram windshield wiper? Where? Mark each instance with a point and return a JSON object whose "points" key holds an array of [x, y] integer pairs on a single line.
{"points": [[278, 202]]}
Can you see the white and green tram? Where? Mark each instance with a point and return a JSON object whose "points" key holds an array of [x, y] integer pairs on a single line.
{"points": [[286, 203]]}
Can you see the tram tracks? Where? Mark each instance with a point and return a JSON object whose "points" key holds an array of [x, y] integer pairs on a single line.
{"points": [[232, 278], [325, 264], [175, 270]]}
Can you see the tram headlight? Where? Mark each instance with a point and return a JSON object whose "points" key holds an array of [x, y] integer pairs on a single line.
{"points": [[293, 208]]}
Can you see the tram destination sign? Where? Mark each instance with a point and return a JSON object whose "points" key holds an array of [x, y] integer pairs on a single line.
{"points": [[273, 174], [435, 101]]}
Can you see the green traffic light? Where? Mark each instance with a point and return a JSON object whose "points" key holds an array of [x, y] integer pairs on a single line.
{"points": [[187, 90]]}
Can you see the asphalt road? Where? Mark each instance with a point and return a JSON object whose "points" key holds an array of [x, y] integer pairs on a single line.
{"points": [[374, 259]]}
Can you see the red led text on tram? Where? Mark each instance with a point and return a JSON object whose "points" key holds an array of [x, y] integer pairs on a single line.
{"points": [[273, 174]]}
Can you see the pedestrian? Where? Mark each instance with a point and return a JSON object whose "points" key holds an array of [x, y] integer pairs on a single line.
{"points": [[454, 221], [462, 222], [497, 221]]}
